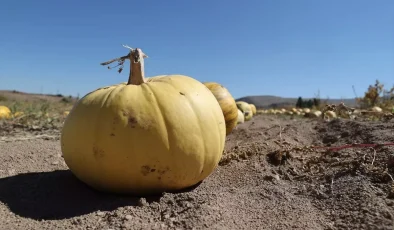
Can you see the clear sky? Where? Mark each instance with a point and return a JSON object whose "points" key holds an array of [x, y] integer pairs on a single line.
{"points": [[285, 48]]}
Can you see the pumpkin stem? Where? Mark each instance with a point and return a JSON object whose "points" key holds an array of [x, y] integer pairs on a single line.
{"points": [[137, 73], [136, 57]]}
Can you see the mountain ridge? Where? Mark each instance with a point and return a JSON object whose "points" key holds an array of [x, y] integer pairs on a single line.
{"points": [[260, 101]]}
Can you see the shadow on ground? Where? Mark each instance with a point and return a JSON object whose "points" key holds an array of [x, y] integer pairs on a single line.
{"points": [[58, 195]]}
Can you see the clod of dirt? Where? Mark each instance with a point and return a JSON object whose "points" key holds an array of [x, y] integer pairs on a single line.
{"points": [[274, 177], [391, 192], [278, 157], [390, 161], [330, 139]]}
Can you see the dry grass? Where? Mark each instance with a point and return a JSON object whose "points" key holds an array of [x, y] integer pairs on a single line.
{"points": [[34, 112]]}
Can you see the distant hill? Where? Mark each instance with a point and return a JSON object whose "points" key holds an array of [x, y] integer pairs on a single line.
{"points": [[266, 101], [13, 95], [263, 101]]}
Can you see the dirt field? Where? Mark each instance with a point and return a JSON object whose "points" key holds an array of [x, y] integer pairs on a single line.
{"points": [[255, 186]]}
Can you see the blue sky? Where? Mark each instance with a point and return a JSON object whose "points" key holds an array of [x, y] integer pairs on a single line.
{"points": [[285, 48]]}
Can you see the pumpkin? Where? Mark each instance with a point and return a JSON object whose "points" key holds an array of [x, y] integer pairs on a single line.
{"points": [[254, 110], [226, 102], [5, 112], [241, 118], [144, 136], [261, 111], [245, 109], [376, 109], [330, 114], [313, 114]]}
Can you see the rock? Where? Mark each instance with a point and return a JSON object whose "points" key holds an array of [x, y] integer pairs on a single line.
{"points": [[100, 213], [274, 177], [142, 202]]}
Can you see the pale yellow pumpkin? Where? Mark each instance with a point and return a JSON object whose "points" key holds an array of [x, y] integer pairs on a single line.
{"points": [[245, 109], [330, 114], [241, 118], [313, 114], [5, 112], [226, 102], [254, 110], [146, 136], [376, 109]]}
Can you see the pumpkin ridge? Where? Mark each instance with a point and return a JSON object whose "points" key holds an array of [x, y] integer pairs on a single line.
{"points": [[199, 128], [195, 116], [160, 113], [97, 132], [201, 134]]}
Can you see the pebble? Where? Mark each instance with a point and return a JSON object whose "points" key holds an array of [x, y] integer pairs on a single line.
{"points": [[389, 203], [100, 213], [11, 172], [55, 162], [272, 177], [129, 217], [142, 202]]}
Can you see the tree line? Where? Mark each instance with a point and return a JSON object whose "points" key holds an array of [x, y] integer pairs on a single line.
{"points": [[301, 103]]}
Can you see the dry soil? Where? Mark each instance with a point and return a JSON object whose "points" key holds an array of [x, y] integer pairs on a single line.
{"points": [[268, 179]]}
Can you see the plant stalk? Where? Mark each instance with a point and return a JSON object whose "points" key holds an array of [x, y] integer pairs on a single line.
{"points": [[137, 72]]}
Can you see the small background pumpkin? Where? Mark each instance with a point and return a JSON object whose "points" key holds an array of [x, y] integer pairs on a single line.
{"points": [[254, 110], [226, 102], [241, 118], [245, 109], [5, 112]]}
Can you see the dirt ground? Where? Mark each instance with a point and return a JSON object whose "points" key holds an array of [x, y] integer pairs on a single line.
{"points": [[263, 182]]}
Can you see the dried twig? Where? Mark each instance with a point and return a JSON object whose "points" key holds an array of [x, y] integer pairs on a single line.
{"points": [[390, 176], [374, 156], [122, 59], [280, 133], [332, 184]]}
